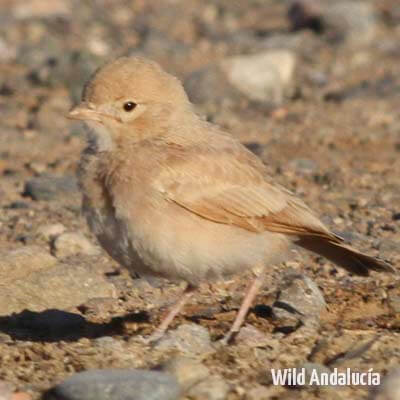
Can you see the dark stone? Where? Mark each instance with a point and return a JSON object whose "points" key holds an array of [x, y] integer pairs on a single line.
{"points": [[396, 216], [116, 384], [18, 205], [48, 187], [299, 302]]}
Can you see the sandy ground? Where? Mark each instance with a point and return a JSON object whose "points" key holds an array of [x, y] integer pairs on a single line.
{"points": [[333, 139]]}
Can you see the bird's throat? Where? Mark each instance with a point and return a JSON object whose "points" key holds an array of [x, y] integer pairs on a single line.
{"points": [[99, 137]]}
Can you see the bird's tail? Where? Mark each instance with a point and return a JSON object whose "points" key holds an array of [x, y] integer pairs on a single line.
{"points": [[343, 255]]}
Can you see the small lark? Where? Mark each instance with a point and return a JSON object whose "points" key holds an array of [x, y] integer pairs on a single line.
{"points": [[170, 195]]}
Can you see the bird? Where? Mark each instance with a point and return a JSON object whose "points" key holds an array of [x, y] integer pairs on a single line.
{"points": [[169, 194]]}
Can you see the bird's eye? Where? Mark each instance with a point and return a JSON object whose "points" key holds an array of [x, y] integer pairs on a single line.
{"points": [[129, 106]]}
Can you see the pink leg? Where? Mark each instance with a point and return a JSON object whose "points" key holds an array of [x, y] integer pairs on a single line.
{"points": [[175, 310], [244, 308]]}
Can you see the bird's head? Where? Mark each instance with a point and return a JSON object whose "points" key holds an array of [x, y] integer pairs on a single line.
{"points": [[130, 97]]}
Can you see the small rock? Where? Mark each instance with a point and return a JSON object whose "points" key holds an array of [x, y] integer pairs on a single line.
{"points": [[100, 306], [388, 247], [187, 371], [188, 338], [108, 342], [389, 388], [70, 243], [50, 187], [5, 338], [60, 287], [8, 51], [299, 300], [394, 302], [266, 77], [116, 384], [304, 165], [214, 388], [353, 23], [50, 232], [209, 84], [18, 205], [318, 78], [306, 14], [37, 167], [251, 337], [302, 294], [262, 77], [40, 9], [19, 263], [396, 216]]}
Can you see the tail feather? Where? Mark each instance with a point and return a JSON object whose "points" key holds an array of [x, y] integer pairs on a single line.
{"points": [[344, 255]]}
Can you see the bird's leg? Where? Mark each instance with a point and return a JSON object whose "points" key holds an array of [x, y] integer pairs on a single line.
{"points": [[173, 312], [244, 308]]}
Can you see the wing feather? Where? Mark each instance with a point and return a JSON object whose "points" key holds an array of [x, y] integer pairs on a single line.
{"points": [[232, 187]]}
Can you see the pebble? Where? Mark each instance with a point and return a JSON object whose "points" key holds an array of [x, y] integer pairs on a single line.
{"points": [[252, 337], [8, 51], [17, 205], [394, 302], [209, 85], [50, 187], [19, 263], [40, 9], [70, 243], [396, 216], [306, 14], [214, 388], [60, 287], [5, 338], [108, 342], [262, 77], [299, 299], [354, 23], [50, 232], [187, 338], [116, 384], [100, 306], [266, 77], [186, 370], [389, 388], [304, 165]]}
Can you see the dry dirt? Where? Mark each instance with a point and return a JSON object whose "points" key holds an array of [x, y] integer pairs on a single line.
{"points": [[334, 141]]}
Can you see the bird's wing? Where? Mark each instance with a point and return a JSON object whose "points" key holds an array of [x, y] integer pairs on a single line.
{"points": [[230, 186]]}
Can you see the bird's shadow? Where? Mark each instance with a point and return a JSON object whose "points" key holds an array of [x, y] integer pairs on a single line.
{"points": [[55, 325]]}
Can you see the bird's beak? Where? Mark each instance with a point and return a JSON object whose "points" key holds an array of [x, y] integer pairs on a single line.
{"points": [[84, 111]]}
